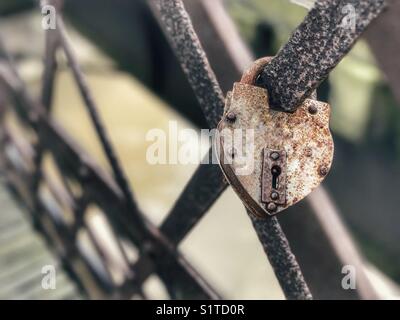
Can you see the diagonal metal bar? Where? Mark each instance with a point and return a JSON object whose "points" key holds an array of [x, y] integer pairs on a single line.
{"points": [[98, 123], [192, 57], [178, 27], [281, 258], [320, 42], [204, 188], [50, 69], [54, 41]]}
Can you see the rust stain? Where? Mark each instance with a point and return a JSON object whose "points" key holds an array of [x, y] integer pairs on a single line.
{"points": [[303, 135]]}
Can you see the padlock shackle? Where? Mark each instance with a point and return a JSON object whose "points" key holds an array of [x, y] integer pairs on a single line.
{"points": [[251, 74]]}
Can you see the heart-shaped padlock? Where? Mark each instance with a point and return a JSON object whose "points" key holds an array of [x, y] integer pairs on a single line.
{"points": [[272, 159]]}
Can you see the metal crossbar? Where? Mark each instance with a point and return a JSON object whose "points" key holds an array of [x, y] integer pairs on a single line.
{"points": [[158, 253], [315, 48]]}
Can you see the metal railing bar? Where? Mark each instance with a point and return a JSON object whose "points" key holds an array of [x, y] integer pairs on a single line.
{"points": [[50, 69], [315, 48], [282, 259], [204, 188], [227, 53], [201, 192], [346, 250], [18, 185], [79, 206], [192, 58], [116, 167]]}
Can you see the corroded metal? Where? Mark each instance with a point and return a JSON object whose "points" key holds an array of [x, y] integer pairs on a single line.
{"points": [[320, 42], [303, 136]]}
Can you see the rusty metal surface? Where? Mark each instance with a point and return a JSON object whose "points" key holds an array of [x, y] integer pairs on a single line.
{"points": [[191, 56], [315, 48], [274, 243], [304, 136], [220, 39]]}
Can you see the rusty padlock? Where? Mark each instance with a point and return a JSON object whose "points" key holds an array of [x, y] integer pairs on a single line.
{"points": [[272, 159]]}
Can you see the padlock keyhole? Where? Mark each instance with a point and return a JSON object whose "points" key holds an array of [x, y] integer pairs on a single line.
{"points": [[276, 172]]}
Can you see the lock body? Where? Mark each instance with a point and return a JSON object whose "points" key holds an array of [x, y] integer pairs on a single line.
{"points": [[272, 159]]}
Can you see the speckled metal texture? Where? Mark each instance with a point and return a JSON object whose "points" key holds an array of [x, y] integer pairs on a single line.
{"points": [[304, 135], [187, 48], [321, 41]]}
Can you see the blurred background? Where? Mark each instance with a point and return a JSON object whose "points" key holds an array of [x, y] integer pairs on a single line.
{"points": [[138, 85]]}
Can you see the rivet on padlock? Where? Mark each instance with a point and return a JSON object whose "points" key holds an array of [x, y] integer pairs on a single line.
{"points": [[291, 153]]}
